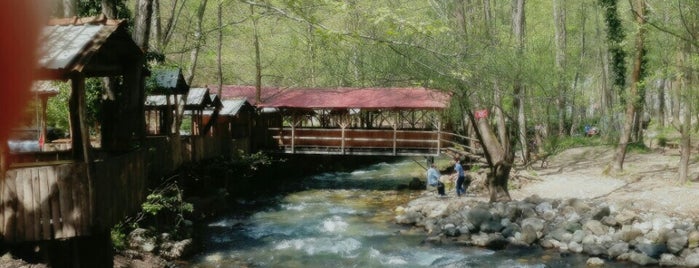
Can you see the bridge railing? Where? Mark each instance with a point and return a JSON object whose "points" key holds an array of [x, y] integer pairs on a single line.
{"points": [[358, 141]]}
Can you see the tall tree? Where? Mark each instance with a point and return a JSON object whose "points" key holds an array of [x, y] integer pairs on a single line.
{"points": [[559, 22], [198, 41], [518, 27], [142, 23], [633, 99]]}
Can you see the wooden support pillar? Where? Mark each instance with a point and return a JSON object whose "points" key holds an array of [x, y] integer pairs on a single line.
{"points": [[395, 133], [42, 135], [80, 137], [342, 148], [439, 136]]}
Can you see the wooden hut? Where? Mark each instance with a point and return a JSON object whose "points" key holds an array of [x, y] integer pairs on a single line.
{"points": [[234, 122], [167, 94], [86, 191]]}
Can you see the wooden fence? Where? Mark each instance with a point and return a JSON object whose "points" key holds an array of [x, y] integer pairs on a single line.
{"points": [[66, 199]]}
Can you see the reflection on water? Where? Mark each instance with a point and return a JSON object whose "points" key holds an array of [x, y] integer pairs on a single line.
{"points": [[346, 220]]}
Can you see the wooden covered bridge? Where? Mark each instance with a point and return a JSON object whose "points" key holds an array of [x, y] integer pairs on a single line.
{"points": [[351, 121]]}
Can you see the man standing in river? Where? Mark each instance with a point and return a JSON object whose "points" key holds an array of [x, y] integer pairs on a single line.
{"points": [[433, 179]]}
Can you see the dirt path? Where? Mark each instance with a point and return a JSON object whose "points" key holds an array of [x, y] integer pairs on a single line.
{"points": [[647, 183]]}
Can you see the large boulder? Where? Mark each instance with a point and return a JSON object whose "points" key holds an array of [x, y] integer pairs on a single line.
{"points": [[641, 259], [676, 242], [652, 250], [142, 239]]}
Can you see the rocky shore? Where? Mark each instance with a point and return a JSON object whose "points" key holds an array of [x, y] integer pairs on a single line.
{"points": [[603, 231]]}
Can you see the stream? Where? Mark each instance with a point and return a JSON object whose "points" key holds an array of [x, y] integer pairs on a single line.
{"points": [[345, 219]]}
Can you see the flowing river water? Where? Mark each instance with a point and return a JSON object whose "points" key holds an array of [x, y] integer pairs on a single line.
{"points": [[346, 220]]}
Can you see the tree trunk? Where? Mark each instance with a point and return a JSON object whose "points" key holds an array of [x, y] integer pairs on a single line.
{"points": [[170, 24], [69, 8], [142, 19], [559, 20], [498, 157], [632, 101], [258, 61], [156, 27], [518, 26], [109, 9], [219, 48], [198, 34]]}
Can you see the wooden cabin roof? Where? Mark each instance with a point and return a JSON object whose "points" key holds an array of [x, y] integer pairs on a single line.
{"points": [[233, 107], [161, 100], [358, 98], [43, 87], [198, 98], [170, 81], [93, 46]]}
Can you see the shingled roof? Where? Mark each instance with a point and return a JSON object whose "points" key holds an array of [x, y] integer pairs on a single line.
{"points": [[92, 46]]}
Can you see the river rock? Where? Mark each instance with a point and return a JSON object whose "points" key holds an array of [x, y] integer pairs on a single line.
{"points": [[617, 249], [609, 221], [536, 224], [534, 199], [594, 249], [491, 226], [450, 230], [571, 226], [562, 235], [670, 260], [641, 259], [628, 233], [662, 222], [595, 227], [578, 236], [652, 250], [510, 230], [409, 217], [493, 241], [174, 250], [142, 239], [528, 234], [693, 239], [599, 213], [438, 210], [692, 260], [543, 207], [478, 216], [594, 262], [625, 217], [575, 247], [676, 242]]}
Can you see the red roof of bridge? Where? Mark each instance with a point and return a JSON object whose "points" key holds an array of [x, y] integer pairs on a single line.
{"points": [[363, 98], [248, 93]]}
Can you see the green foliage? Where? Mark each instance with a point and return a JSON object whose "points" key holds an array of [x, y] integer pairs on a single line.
{"points": [[87, 8], [556, 144], [167, 199], [57, 112], [118, 236]]}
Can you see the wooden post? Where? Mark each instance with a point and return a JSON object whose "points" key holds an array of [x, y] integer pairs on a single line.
{"points": [[342, 148], [439, 135], [293, 134], [80, 136], [42, 137], [395, 133]]}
